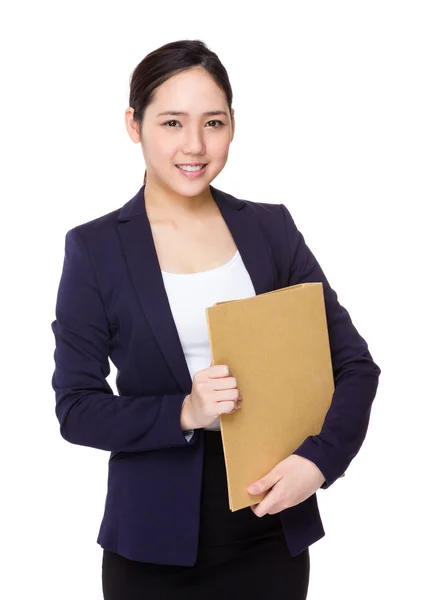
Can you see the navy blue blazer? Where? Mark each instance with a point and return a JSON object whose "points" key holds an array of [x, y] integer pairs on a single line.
{"points": [[111, 302]]}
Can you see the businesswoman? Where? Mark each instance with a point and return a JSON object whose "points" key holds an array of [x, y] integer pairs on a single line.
{"points": [[134, 287]]}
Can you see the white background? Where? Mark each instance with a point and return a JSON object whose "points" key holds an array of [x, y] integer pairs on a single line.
{"points": [[334, 105]]}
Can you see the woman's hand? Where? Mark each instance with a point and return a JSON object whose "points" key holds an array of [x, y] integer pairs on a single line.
{"points": [[214, 392], [291, 481]]}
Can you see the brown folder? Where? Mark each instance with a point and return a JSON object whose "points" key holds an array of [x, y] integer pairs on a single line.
{"points": [[276, 345]]}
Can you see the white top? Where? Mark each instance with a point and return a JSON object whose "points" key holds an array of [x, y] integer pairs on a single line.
{"points": [[190, 294]]}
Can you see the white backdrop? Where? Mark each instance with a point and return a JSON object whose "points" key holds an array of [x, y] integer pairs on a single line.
{"points": [[334, 107]]}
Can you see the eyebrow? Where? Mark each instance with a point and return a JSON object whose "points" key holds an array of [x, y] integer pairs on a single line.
{"points": [[211, 113]]}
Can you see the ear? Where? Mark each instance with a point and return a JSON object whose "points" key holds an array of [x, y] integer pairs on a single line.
{"points": [[233, 122], [132, 125]]}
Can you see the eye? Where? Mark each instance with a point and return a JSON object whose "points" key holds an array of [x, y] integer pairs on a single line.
{"points": [[221, 124], [217, 121], [171, 121]]}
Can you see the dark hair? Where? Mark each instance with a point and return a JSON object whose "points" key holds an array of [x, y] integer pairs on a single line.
{"points": [[160, 64]]}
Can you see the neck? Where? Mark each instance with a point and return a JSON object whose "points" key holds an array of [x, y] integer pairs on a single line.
{"points": [[160, 202]]}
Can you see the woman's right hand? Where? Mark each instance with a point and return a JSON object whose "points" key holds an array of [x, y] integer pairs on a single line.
{"points": [[214, 392]]}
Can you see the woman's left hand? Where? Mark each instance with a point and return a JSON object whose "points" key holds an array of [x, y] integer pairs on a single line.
{"points": [[292, 481]]}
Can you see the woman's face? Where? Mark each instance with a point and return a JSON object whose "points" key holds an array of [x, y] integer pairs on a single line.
{"points": [[193, 137]]}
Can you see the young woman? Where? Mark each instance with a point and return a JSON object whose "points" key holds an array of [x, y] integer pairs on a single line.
{"points": [[134, 287]]}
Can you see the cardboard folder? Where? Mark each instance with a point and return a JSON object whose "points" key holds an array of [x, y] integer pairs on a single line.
{"points": [[276, 345]]}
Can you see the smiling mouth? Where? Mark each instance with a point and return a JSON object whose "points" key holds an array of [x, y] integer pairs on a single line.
{"points": [[193, 169], [194, 165]]}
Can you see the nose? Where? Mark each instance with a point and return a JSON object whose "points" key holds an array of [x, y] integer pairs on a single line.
{"points": [[193, 142]]}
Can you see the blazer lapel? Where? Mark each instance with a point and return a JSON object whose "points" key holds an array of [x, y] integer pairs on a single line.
{"points": [[142, 261]]}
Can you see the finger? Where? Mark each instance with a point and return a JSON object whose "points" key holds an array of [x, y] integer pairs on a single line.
{"points": [[258, 510], [224, 407], [217, 371], [267, 505], [224, 383], [227, 395], [265, 483]]}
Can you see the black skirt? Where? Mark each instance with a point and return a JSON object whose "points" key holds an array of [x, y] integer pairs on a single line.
{"points": [[240, 555]]}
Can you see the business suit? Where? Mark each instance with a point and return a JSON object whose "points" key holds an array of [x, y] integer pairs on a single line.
{"points": [[112, 302]]}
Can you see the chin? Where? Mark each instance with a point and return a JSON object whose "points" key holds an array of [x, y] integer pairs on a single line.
{"points": [[192, 190], [192, 187]]}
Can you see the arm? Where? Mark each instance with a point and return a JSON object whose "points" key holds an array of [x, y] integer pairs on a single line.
{"points": [[88, 412], [355, 374]]}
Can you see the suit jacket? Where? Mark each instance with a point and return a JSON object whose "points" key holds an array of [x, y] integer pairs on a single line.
{"points": [[112, 302]]}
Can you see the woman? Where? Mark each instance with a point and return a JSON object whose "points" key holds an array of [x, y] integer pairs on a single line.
{"points": [[134, 287]]}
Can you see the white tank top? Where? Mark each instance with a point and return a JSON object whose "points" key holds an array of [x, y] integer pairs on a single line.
{"points": [[190, 294]]}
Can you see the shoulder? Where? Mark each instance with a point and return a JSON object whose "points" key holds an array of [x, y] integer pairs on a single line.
{"points": [[273, 217], [251, 204], [101, 223], [266, 211], [100, 228]]}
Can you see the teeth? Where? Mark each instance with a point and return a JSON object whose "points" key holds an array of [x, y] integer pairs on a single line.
{"points": [[190, 168]]}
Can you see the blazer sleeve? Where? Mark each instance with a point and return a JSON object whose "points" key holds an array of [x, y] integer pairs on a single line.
{"points": [[88, 412], [188, 433], [356, 375]]}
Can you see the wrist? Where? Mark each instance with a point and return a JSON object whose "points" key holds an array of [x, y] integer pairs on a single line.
{"points": [[185, 416]]}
